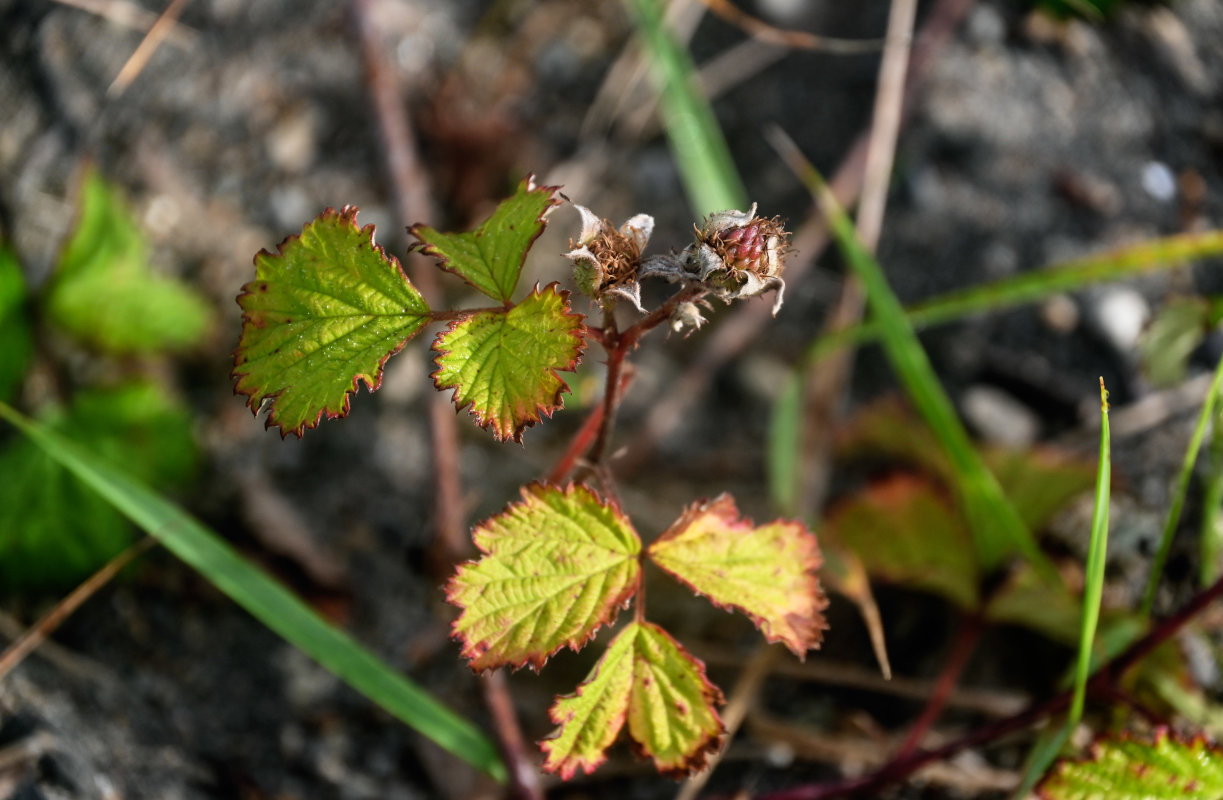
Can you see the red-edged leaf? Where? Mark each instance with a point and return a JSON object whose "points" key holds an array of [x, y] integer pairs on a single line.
{"points": [[768, 572], [557, 566], [647, 678], [490, 257], [323, 314], [1128, 769], [504, 364]]}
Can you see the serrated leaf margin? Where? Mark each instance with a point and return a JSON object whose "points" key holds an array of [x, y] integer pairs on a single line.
{"points": [[557, 403], [255, 400], [1197, 742], [723, 506], [533, 493], [528, 185]]}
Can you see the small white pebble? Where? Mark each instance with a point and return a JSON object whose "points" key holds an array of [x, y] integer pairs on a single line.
{"points": [[1120, 315], [1060, 313], [999, 417], [1158, 181]]}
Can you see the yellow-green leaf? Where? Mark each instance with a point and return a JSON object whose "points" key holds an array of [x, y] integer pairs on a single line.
{"points": [[324, 312], [1128, 769], [557, 566], [647, 678], [490, 257], [504, 363], [768, 572]]}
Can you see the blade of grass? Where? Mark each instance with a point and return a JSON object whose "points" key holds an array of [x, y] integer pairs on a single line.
{"points": [[1182, 488], [1029, 287], [998, 531], [1212, 502], [708, 172], [1049, 744], [785, 433], [268, 601]]}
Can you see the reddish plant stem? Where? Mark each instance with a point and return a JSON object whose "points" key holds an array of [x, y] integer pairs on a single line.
{"points": [[578, 445], [969, 634], [1101, 684]]}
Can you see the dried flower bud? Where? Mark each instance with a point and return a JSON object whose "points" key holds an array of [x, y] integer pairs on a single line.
{"points": [[607, 259], [740, 255]]}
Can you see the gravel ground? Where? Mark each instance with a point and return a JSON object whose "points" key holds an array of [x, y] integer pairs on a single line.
{"points": [[1031, 141]]}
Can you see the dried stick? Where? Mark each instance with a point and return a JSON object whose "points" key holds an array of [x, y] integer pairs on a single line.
{"points": [[148, 45], [413, 199], [29, 641], [130, 15], [801, 40]]}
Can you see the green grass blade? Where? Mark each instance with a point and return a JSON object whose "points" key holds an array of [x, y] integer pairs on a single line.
{"points": [[1028, 287], [784, 445], [1182, 487], [1049, 744], [268, 601], [997, 528], [1212, 503], [1093, 589], [701, 153]]}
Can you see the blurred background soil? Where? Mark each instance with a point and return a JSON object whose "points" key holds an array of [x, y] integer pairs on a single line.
{"points": [[1030, 140]]}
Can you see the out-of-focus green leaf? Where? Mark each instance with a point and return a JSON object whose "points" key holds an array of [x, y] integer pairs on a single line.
{"points": [[504, 364], [705, 165], [16, 338], [1178, 328], [647, 678], [557, 566], [767, 572], [104, 292], [907, 532], [54, 531], [323, 314], [1040, 481], [785, 443], [1027, 600], [490, 258], [1128, 769]]}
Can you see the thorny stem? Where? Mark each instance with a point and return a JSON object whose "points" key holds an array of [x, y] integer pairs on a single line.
{"points": [[1101, 684], [971, 628]]}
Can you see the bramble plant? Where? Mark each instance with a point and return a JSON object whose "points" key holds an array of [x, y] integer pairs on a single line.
{"points": [[327, 310]]}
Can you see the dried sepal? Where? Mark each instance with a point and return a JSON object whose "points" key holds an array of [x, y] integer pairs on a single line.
{"points": [[607, 259], [738, 254]]}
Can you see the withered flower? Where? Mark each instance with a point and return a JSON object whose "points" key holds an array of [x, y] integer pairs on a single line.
{"points": [[607, 260], [738, 255]]}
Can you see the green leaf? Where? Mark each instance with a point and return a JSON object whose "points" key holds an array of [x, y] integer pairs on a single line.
{"points": [[1028, 600], [267, 600], [907, 532], [490, 258], [768, 572], [557, 566], [16, 336], [324, 312], [104, 292], [54, 531], [504, 363], [1126, 769], [647, 678]]}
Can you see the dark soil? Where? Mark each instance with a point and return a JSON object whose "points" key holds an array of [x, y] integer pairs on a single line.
{"points": [[1031, 141]]}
